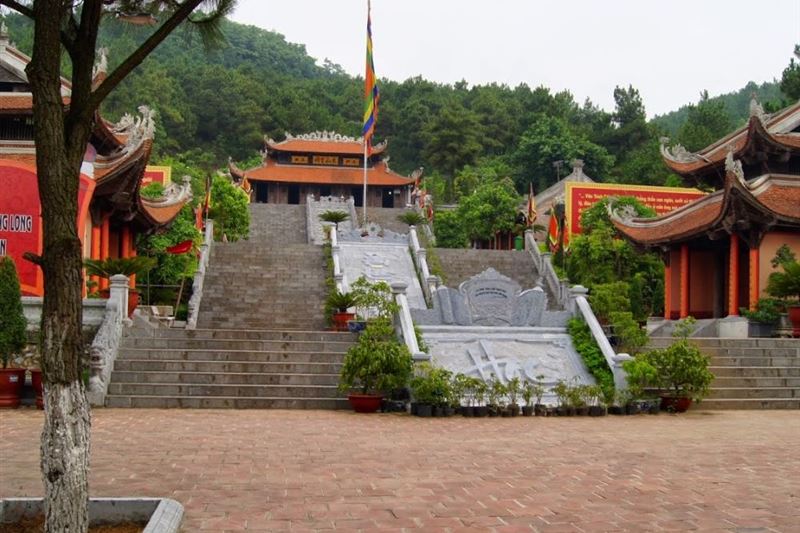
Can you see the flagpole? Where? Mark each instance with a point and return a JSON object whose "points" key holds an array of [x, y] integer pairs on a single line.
{"points": [[364, 194]]}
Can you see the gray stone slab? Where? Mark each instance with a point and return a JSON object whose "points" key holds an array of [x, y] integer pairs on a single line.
{"points": [[379, 261], [505, 353]]}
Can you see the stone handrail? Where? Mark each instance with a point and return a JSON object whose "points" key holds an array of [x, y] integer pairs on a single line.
{"points": [[336, 251], [199, 276], [613, 359], [544, 265], [429, 282], [404, 324], [105, 346]]}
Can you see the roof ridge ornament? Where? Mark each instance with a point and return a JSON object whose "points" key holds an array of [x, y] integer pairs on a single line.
{"points": [[325, 136], [734, 166], [622, 213], [756, 109], [101, 65], [3, 32], [677, 152]]}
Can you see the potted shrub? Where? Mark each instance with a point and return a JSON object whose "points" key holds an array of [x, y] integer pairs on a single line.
{"points": [[527, 395], [597, 406], [679, 372], [339, 302], [412, 218], [538, 390], [377, 363], [786, 284], [459, 394], [561, 390], [334, 217], [12, 333], [430, 387], [496, 390], [763, 319], [127, 266], [479, 388], [513, 389]]}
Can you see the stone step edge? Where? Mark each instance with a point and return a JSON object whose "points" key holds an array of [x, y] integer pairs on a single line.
{"points": [[282, 398], [195, 373], [254, 330], [230, 385]]}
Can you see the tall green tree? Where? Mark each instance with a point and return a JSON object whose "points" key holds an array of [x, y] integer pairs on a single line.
{"points": [[490, 209], [550, 139], [706, 122], [790, 79], [61, 136], [452, 141]]}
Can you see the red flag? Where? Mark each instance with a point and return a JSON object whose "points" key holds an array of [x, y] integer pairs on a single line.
{"points": [[198, 217], [181, 247], [565, 243], [553, 231]]}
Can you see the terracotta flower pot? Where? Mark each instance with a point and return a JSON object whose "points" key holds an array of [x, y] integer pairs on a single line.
{"points": [[673, 404], [36, 381], [794, 316], [340, 320], [11, 383], [365, 403]]}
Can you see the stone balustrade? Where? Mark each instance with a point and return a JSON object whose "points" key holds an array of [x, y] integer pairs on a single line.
{"points": [[543, 263], [105, 346], [429, 282], [199, 276], [404, 323]]}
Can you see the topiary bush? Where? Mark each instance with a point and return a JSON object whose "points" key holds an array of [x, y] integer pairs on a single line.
{"points": [[12, 318], [377, 362]]}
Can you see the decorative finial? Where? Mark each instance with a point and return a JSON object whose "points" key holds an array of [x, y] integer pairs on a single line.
{"points": [[734, 166], [3, 31], [756, 110], [101, 65], [577, 165]]}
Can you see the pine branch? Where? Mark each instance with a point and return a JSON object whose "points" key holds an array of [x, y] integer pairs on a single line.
{"points": [[18, 7]]}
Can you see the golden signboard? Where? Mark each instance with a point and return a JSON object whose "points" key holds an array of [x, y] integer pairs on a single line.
{"points": [[325, 160], [299, 159], [351, 162]]}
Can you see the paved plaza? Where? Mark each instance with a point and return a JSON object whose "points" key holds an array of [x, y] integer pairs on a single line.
{"points": [[316, 470]]}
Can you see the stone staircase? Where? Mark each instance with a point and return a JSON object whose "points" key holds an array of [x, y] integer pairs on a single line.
{"points": [[226, 368], [750, 373], [274, 280], [260, 341], [461, 264], [386, 217]]}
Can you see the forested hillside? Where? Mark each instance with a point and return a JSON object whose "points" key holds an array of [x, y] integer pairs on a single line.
{"points": [[212, 105]]}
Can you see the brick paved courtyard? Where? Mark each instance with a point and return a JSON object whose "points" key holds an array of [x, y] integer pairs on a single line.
{"points": [[316, 470]]}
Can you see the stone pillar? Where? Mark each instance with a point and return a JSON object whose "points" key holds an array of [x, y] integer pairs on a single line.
{"points": [[684, 281], [119, 292], [754, 277], [95, 253], [733, 277], [574, 292]]}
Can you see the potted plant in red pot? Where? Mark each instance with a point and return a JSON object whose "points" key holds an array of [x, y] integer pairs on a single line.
{"points": [[786, 284], [339, 303], [12, 333], [127, 266], [376, 364], [680, 372]]}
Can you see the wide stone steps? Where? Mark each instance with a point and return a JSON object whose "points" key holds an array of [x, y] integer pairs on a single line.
{"points": [[223, 367], [461, 264], [229, 368], [750, 373], [386, 217], [227, 378], [227, 402]]}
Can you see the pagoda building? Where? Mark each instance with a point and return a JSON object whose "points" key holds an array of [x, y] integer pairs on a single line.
{"points": [[324, 164], [717, 250], [111, 211]]}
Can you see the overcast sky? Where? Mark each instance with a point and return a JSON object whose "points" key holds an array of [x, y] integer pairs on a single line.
{"points": [[669, 50]]}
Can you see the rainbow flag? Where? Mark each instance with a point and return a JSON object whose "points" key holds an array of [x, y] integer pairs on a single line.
{"points": [[371, 93]]}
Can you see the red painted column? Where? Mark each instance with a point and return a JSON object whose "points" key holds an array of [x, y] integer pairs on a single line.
{"points": [[733, 277], [684, 281], [754, 277], [104, 231], [96, 251], [125, 242], [132, 253], [667, 288]]}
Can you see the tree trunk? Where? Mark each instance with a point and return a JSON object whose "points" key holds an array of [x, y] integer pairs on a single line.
{"points": [[65, 435]]}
